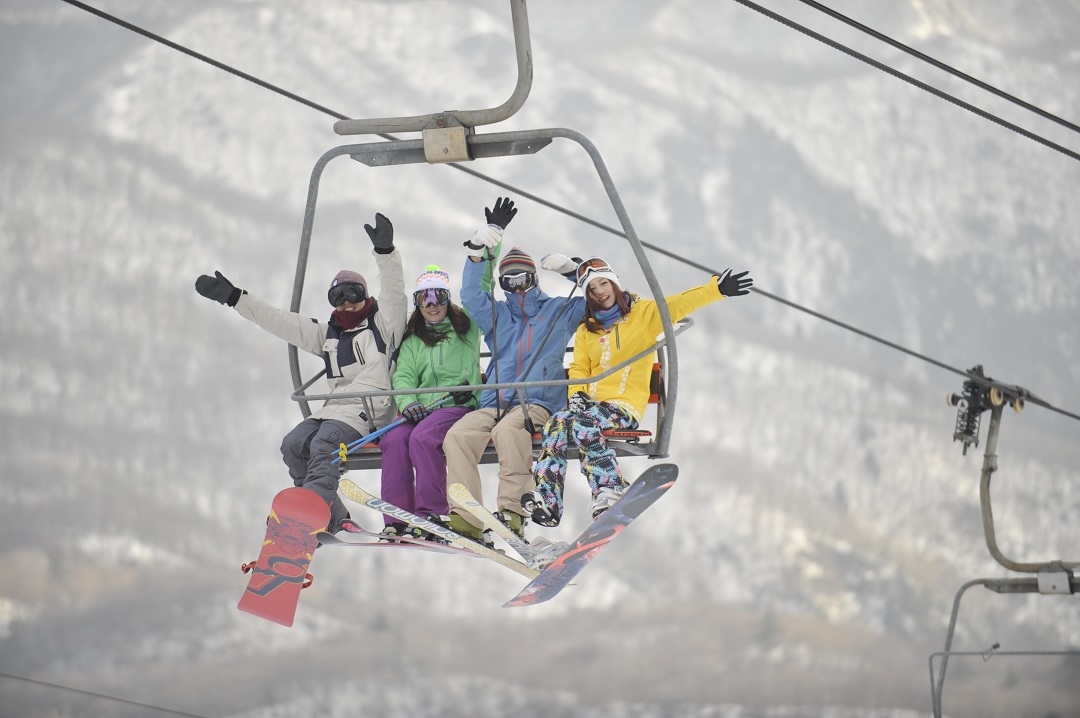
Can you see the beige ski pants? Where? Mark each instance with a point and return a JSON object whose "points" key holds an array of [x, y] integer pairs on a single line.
{"points": [[469, 436]]}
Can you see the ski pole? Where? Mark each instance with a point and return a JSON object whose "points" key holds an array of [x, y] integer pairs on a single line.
{"points": [[524, 410], [344, 450], [494, 331]]}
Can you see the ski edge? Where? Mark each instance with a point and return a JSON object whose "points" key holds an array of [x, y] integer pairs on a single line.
{"points": [[359, 495], [330, 540], [410, 540]]}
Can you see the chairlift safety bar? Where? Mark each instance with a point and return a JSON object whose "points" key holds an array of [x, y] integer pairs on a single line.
{"points": [[299, 396]]}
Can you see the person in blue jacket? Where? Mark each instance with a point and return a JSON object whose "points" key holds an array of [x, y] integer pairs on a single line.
{"points": [[527, 336]]}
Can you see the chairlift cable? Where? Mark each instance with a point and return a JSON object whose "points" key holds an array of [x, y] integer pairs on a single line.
{"points": [[938, 64], [747, 3], [607, 228], [198, 56], [101, 696], [909, 79]]}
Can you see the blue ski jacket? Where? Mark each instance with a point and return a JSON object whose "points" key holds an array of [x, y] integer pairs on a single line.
{"points": [[522, 321]]}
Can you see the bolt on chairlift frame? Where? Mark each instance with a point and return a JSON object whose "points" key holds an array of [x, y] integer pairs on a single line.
{"points": [[450, 137], [1051, 577]]}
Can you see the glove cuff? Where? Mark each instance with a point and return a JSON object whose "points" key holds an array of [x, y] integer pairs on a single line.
{"points": [[384, 250], [234, 296]]}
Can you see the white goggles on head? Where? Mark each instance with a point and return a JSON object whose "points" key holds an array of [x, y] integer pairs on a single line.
{"points": [[593, 268]]}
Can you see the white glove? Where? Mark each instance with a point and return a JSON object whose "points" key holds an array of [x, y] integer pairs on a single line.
{"points": [[487, 237], [558, 263]]}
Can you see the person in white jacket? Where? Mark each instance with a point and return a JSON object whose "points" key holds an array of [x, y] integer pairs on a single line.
{"points": [[357, 344]]}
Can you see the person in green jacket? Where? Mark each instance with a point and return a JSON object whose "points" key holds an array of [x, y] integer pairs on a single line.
{"points": [[441, 348]]}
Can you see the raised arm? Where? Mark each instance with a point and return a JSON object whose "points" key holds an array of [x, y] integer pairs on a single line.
{"points": [[393, 301]]}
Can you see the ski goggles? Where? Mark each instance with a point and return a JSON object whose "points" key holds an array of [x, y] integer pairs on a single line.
{"points": [[521, 282], [346, 292], [431, 297], [590, 267]]}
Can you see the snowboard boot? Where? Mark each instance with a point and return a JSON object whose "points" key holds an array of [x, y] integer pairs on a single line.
{"points": [[541, 513], [513, 521], [605, 498], [340, 524], [459, 525], [544, 552]]}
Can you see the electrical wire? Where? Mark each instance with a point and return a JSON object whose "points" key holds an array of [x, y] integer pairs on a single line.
{"points": [[618, 232], [938, 64]]}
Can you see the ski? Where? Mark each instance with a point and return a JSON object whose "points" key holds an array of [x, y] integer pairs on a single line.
{"points": [[464, 499], [649, 487], [350, 526], [360, 496], [333, 541]]}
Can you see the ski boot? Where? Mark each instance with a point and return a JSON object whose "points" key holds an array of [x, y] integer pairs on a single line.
{"points": [[443, 521], [392, 531], [533, 503], [605, 498], [459, 525], [513, 521]]}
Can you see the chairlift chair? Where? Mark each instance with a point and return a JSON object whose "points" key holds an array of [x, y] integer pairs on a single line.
{"points": [[451, 137]]}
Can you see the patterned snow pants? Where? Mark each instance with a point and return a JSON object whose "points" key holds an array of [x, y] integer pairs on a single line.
{"points": [[598, 462]]}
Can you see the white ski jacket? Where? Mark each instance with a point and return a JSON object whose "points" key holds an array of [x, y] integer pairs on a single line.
{"points": [[356, 359]]}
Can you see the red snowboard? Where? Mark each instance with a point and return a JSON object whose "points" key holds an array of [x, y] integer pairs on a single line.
{"points": [[281, 571]]}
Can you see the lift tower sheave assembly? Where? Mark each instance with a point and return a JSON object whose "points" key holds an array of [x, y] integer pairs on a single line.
{"points": [[1051, 577]]}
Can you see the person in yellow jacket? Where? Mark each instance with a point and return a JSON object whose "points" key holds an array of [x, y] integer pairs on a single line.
{"points": [[617, 326]]}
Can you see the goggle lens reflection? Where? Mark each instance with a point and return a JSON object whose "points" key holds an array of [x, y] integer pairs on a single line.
{"points": [[513, 282], [431, 297]]}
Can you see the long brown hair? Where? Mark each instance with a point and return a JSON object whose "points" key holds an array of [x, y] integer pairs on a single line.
{"points": [[594, 325], [426, 333]]}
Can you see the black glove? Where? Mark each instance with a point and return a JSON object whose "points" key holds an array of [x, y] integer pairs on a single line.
{"points": [[579, 402], [733, 285], [502, 214], [461, 398], [218, 288], [415, 412], [382, 234]]}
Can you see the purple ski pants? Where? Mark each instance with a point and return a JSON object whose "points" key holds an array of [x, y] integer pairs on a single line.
{"points": [[413, 465]]}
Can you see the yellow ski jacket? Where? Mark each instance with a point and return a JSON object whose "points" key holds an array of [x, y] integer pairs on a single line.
{"points": [[594, 353]]}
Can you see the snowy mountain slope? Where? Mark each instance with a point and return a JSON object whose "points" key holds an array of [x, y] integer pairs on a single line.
{"points": [[822, 503]]}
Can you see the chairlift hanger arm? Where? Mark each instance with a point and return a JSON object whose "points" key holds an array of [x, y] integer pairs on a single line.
{"points": [[462, 118]]}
